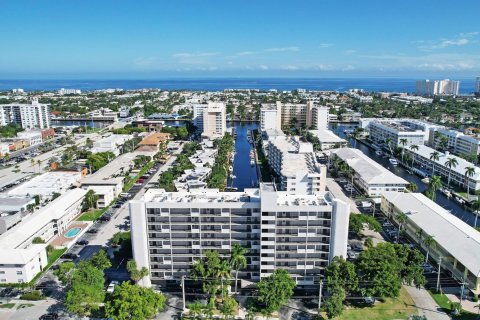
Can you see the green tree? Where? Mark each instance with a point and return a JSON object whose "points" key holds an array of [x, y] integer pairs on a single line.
{"points": [[434, 184], [90, 200], [403, 142], [434, 156], [343, 274], [401, 219], [64, 272], [429, 243], [82, 299], [238, 260], [132, 302], [275, 290], [334, 304], [229, 307], [357, 222], [412, 187], [450, 163], [135, 273], [100, 260], [413, 147], [38, 240], [469, 172]]}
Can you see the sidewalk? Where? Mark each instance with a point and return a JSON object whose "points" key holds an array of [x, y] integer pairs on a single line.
{"points": [[425, 304]]}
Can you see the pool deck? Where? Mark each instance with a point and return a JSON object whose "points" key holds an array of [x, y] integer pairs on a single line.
{"points": [[62, 241]]}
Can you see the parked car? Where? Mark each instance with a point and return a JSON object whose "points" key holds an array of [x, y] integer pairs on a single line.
{"points": [[82, 242], [105, 217], [357, 247], [70, 256], [351, 254], [369, 300], [92, 230], [111, 286]]}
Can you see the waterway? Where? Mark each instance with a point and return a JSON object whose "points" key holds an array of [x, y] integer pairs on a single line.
{"points": [[245, 175], [456, 209], [81, 123]]}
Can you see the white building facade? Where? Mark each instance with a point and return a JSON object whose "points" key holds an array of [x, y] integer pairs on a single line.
{"points": [[34, 115], [438, 87], [299, 233]]}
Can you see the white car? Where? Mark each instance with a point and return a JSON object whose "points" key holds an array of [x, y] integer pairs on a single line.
{"points": [[111, 286]]}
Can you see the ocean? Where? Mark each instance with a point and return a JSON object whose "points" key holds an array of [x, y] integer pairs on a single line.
{"points": [[219, 84]]}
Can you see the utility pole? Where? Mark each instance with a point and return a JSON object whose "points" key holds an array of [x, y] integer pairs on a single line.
{"points": [[373, 204], [320, 295], [183, 292], [461, 293], [439, 271]]}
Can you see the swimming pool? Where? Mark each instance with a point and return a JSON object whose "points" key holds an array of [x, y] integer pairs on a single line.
{"points": [[72, 232]]}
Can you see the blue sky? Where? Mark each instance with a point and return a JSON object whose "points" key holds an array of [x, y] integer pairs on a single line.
{"points": [[155, 39]]}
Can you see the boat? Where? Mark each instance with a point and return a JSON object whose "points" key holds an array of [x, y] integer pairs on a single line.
{"points": [[252, 162], [233, 176], [446, 192], [378, 153], [393, 161], [230, 169], [231, 188], [426, 180]]}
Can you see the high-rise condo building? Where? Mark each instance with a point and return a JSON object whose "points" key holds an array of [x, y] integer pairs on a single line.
{"points": [[273, 116], [34, 115], [444, 87], [210, 119], [477, 85], [297, 232]]}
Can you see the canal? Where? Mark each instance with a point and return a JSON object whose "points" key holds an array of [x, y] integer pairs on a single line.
{"points": [[245, 175], [456, 209]]}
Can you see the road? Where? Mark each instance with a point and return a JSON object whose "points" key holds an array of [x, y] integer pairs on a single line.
{"points": [[8, 176]]}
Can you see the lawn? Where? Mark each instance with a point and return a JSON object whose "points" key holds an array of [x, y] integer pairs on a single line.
{"points": [[92, 215], [7, 305], [144, 170], [25, 305], [444, 303], [53, 256], [399, 308]]}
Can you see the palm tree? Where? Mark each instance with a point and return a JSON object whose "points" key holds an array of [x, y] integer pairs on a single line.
{"points": [[7, 156], [39, 164], [195, 310], [238, 260], [476, 207], [450, 163], [429, 243], [32, 162], [223, 272], [403, 142], [401, 219], [388, 141], [434, 156], [469, 172], [413, 147], [434, 184], [413, 187]]}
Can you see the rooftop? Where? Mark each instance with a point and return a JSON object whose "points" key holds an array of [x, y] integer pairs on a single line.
{"points": [[155, 139], [114, 169], [48, 183], [201, 196], [425, 152], [18, 236], [327, 136], [438, 222], [369, 170]]}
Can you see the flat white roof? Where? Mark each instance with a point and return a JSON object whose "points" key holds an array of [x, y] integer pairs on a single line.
{"points": [[18, 235], [114, 168], [452, 234], [369, 170], [20, 256], [327, 136], [425, 152], [48, 183]]}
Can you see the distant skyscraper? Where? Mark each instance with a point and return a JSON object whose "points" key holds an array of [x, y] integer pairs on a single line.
{"points": [[444, 87], [477, 86]]}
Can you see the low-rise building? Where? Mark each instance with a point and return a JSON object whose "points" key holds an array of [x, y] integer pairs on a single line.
{"points": [[368, 175], [457, 243], [47, 184], [456, 141], [106, 194], [156, 139], [328, 139], [110, 144], [423, 159], [33, 137], [20, 259]]}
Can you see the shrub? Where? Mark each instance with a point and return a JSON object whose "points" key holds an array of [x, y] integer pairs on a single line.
{"points": [[32, 295]]}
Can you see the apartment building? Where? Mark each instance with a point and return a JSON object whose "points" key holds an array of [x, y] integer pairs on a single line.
{"points": [[295, 163], [34, 115], [457, 142], [477, 85], [368, 175], [33, 137], [422, 159], [300, 233], [414, 131], [273, 116], [438, 87], [328, 139], [111, 143], [214, 120], [20, 260], [457, 243]]}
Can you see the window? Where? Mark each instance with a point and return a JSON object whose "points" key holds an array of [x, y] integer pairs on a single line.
{"points": [[19, 272], [3, 280], [2, 272]]}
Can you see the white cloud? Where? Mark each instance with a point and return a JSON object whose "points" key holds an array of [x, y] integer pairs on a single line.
{"points": [[460, 40], [325, 45], [324, 67], [349, 51], [195, 54], [246, 53], [263, 67], [290, 68], [284, 49]]}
